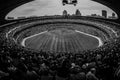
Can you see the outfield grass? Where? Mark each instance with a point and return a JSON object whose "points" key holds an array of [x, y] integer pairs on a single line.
{"points": [[62, 40]]}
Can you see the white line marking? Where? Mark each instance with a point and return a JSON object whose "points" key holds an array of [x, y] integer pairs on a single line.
{"points": [[100, 41], [23, 41]]}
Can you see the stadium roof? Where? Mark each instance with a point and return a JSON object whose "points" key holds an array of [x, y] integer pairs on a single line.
{"points": [[7, 5]]}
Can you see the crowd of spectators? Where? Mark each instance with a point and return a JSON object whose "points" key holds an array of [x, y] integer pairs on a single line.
{"points": [[19, 63]]}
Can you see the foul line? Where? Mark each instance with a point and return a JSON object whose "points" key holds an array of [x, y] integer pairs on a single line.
{"points": [[100, 41], [23, 41]]}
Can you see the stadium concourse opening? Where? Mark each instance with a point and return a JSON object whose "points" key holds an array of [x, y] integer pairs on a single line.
{"points": [[55, 7]]}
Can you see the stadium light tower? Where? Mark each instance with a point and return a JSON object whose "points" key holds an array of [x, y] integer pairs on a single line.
{"points": [[73, 2]]}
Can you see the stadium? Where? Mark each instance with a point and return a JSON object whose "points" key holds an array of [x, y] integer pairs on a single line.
{"points": [[60, 47]]}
